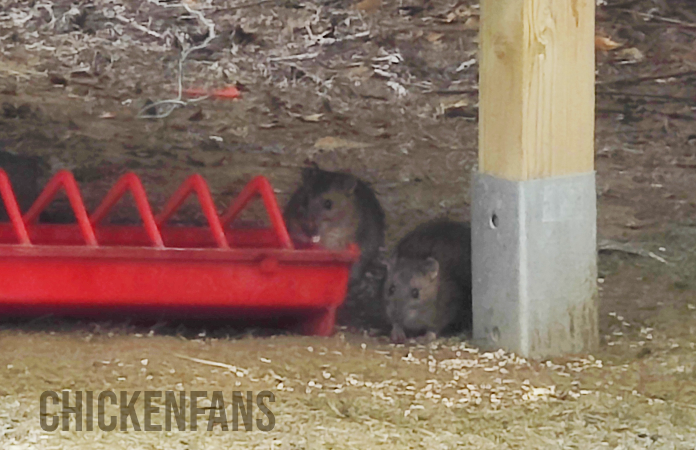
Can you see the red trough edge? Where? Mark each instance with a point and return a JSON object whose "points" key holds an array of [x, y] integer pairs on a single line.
{"points": [[92, 267]]}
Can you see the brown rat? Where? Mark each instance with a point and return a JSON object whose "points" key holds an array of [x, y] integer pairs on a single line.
{"points": [[428, 285], [333, 209]]}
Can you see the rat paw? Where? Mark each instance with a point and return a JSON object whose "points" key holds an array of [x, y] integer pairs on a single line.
{"points": [[398, 336]]}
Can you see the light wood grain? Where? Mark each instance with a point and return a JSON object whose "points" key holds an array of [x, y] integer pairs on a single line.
{"points": [[537, 77]]}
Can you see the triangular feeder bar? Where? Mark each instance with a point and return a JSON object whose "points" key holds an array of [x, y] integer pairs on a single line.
{"points": [[195, 183], [64, 179], [130, 182], [10, 201], [260, 185]]}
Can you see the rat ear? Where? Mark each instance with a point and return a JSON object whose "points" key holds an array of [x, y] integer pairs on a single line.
{"points": [[431, 267], [309, 173]]}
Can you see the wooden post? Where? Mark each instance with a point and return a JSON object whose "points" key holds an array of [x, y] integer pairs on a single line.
{"points": [[534, 208]]}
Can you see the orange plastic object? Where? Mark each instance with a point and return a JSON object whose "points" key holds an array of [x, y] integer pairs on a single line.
{"points": [[227, 93], [93, 269]]}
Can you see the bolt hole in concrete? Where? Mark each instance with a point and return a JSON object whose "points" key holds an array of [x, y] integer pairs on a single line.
{"points": [[494, 221]]}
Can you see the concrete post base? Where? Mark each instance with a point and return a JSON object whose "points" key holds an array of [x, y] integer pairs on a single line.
{"points": [[534, 255]]}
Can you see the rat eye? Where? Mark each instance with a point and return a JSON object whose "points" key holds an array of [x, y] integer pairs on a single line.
{"points": [[415, 293], [328, 204], [392, 289]]}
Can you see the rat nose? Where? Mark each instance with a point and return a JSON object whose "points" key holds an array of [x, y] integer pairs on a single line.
{"points": [[311, 228]]}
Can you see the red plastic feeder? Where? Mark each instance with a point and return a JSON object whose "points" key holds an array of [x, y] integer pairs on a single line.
{"points": [[215, 271]]}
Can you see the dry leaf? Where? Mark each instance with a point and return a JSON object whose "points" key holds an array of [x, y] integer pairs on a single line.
{"points": [[434, 37], [459, 13], [333, 143], [472, 23], [605, 44], [312, 117], [449, 106], [358, 73], [369, 6], [460, 103], [631, 55], [456, 107]]}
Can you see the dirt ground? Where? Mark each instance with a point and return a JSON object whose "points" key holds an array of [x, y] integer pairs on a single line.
{"points": [[388, 91]]}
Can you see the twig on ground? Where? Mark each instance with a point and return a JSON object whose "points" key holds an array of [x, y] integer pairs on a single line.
{"points": [[294, 57], [137, 26], [234, 369], [453, 91], [614, 246], [178, 101], [248, 5], [648, 111], [681, 23], [621, 5], [653, 96], [638, 79]]}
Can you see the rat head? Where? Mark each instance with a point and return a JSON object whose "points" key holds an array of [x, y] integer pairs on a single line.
{"points": [[331, 216], [410, 291]]}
